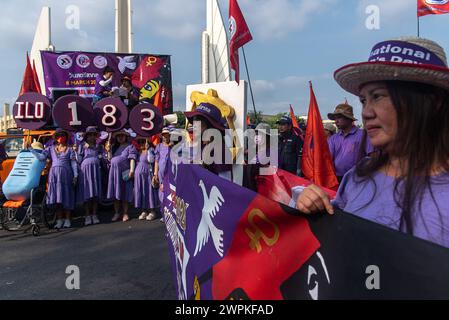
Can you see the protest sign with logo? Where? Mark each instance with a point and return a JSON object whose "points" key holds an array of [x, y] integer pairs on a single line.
{"points": [[150, 74], [227, 242]]}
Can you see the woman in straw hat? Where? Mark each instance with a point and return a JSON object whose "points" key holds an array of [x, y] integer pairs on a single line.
{"points": [[404, 91], [123, 157], [61, 178], [89, 182]]}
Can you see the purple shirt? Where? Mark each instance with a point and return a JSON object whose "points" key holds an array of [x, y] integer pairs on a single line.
{"points": [[376, 203], [99, 88], [345, 149]]}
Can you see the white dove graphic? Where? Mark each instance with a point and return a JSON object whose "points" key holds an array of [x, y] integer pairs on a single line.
{"points": [[126, 62], [206, 227]]}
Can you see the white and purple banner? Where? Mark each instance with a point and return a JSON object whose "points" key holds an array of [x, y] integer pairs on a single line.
{"points": [[74, 70]]}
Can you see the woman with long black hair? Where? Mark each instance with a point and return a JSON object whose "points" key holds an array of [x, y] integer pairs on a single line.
{"points": [[404, 91]]}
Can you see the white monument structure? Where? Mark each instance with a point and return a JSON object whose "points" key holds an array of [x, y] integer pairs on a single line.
{"points": [[215, 53], [123, 26]]}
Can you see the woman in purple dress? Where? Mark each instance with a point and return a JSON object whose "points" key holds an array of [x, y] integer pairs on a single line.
{"points": [[89, 180], [145, 196], [405, 100], [62, 177], [122, 156], [162, 153]]}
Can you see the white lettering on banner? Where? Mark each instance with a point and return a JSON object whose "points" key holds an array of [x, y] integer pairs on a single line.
{"points": [[396, 50], [24, 111], [39, 110], [148, 120], [73, 108], [19, 114], [27, 111], [109, 115]]}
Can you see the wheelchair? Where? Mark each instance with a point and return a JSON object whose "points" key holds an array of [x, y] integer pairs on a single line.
{"points": [[30, 214], [23, 203]]}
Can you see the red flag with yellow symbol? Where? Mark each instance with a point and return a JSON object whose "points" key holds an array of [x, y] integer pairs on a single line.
{"points": [[264, 252]]}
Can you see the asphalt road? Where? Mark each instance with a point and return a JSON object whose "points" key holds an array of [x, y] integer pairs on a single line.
{"points": [[115, 260]]}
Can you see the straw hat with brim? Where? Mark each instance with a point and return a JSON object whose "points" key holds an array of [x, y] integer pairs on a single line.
{"points": [[403, 59], [209, 112], [344, 110], [165, 131], [37, 146]]}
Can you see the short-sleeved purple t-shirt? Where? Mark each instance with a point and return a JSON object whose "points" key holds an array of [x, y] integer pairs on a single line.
{"points": [[345, 149], [374, 200]]}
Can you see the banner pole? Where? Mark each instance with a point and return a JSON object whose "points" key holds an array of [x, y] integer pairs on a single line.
{"points": [[250, 87], [418, 25]]}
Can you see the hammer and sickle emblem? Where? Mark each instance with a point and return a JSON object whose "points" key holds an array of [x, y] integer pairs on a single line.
{"points": [[151, 61], [256, 233]]}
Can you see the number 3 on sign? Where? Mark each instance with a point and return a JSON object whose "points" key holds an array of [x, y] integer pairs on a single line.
{"points": [[148, 120]]}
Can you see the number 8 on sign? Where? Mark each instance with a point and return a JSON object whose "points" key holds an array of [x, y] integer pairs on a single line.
{"points": [[111, 114]]}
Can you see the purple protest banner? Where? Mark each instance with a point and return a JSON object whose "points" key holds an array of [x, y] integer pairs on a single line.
{"points": [[111, 114], [32, 111], [73, 113], [146, 120], [150, 74]]}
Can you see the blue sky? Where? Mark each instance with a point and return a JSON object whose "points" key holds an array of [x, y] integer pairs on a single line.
{"points": [[294, 41]]}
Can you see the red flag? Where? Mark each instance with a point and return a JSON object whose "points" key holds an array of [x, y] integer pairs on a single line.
{"points": [[269, 245], [292, 115], [316, 161], [296, 129], [36, 78], [240, 35], [28, 82], [280, 187], [248, 120], [426, 7]]}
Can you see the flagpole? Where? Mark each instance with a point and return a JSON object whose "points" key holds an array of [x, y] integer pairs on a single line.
{"points": [[250, 87], [418, 25]]}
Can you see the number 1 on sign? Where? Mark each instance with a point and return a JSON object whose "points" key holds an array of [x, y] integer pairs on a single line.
{"points": [[75, 121]]}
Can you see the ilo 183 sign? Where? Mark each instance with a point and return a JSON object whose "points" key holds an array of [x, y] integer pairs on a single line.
{"points": [[146, 120], [73, 113], [32, 111], [111, 114]]}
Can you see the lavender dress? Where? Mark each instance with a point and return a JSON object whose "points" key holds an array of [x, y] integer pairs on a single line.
{"points": [[162, 154], [90, 177], [145, 196], [118, 189], [60, 177]]}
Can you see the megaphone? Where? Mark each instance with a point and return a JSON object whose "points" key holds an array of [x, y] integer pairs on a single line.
{"points": [[170, 119]]}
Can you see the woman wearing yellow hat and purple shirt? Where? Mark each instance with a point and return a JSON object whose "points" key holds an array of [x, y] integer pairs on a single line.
{"points": [[404, 91]]}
